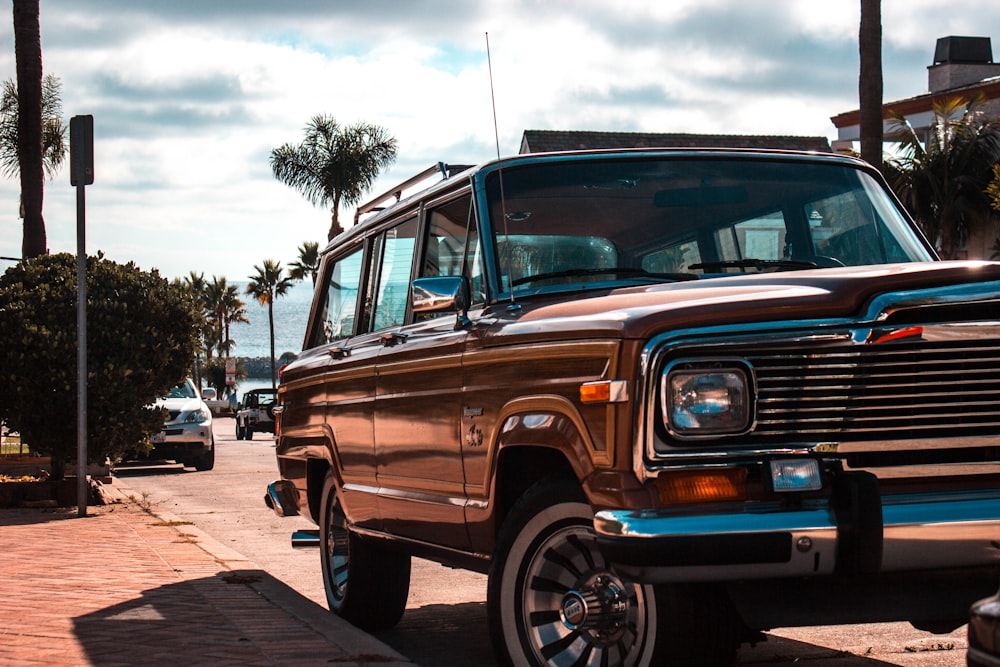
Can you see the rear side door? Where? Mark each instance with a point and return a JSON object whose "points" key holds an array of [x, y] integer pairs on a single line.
{"points": [[341, 384]]}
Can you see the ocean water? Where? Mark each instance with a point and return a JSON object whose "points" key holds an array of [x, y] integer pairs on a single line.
{"points": [[290, 314]]}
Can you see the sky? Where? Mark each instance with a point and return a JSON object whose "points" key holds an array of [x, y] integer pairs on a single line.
{"points": [[189, 97]]}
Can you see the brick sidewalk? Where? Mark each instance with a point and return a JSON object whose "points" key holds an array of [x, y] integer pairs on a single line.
{"points": [[124, 587]]}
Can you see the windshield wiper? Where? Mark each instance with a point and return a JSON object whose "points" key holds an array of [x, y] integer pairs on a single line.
{"points": [[620, 271], [759, 264]]}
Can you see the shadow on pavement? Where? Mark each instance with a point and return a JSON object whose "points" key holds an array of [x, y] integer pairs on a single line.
{"points": [[23, 516], [439, 635], [443, 634], [150, 467], [230, 618], [781, 651], [169, 624]]}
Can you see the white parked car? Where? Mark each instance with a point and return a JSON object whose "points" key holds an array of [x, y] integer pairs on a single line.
{"points": [[187, 431]]}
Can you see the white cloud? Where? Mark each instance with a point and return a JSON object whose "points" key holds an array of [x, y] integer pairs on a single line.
{"points": [[190, 97]]}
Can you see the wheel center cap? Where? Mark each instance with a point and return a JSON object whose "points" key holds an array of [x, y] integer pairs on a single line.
{"points": [[574, 610], [599, 608]]}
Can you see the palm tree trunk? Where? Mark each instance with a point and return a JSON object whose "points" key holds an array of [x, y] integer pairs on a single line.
{"points": [[870, 82], [270, 321], [335, 227], [28, 54]]}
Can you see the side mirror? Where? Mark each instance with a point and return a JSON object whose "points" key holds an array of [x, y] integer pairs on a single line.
{"points": [[443, 294], [208, 393]]}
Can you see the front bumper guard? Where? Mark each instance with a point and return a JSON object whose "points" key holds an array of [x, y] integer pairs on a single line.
{"points": [[282, 497], [918, 532]]}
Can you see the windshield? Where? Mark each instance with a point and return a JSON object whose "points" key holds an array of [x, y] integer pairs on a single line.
{"points": [[581, 222], [183, 390]]}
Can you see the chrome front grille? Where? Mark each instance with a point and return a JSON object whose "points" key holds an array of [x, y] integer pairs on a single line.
{"points": [[849, 391]]}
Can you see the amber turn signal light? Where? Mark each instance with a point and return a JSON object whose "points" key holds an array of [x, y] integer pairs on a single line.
{"points": [[604, 391], [702, 486]]}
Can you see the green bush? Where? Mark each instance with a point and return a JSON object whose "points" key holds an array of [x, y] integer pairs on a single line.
{"points": [[214, 375], [141, 338]]}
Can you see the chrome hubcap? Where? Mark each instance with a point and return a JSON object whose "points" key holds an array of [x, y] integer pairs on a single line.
{"points": [[600, 608], [337, 554], [576, 610]]}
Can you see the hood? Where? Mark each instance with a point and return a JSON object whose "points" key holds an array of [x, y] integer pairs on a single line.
{"points": [[642, 312], [179, 404]]}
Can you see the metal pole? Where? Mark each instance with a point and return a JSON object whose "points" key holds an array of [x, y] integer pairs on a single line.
{"points": [[81, 346], [81, 173]]}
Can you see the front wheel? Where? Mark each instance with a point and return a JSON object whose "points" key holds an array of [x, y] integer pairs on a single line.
{"points": [[366, 583], [207, 460], [552, 598]]}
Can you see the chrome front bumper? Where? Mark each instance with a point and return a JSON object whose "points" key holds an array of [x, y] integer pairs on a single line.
{"points": [[918, 532]]}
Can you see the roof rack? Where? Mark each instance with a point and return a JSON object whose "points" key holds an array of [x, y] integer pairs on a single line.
{"points": [[396, 192]]}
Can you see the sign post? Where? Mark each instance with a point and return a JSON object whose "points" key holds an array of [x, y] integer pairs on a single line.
{"points": [[81, 173]]}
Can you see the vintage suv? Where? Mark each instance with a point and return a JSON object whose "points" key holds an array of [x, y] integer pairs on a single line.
{"points": [[665, 399]]}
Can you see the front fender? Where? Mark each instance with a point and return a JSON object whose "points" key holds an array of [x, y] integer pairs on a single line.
{"points": [[548, 421]]}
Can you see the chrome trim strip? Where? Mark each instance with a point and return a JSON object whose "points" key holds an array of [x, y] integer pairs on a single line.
{"points": [[881, 307], [436, 499]]}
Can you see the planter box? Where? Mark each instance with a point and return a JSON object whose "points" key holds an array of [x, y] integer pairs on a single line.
{"points": [[44, 493]]}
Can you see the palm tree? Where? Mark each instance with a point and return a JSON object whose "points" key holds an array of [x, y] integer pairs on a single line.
{"points": [[334, 165], [28, 57], [943, 181], [267, 284], [53, 130], [195, 283], [307, 264], [215, 311], [870, 81], [223, 306], [993, 191], [233, 310]]}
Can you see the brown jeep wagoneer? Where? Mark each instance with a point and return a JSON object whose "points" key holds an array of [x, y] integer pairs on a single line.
{"points": [[665, 399]]}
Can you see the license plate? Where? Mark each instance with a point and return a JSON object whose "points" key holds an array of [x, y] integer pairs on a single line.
{"points": [[158, 438]]}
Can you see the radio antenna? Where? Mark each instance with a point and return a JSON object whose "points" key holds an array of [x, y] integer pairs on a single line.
{"points": [[503, 198]]}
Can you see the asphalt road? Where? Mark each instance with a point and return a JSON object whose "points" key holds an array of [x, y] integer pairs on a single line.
{"points": [[445, 621]]}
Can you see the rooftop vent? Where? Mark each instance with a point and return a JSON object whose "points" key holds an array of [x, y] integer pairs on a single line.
{"points": [[963, 50]]}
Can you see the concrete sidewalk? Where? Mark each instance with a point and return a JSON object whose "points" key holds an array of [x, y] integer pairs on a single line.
{"points": [[122, 586]]}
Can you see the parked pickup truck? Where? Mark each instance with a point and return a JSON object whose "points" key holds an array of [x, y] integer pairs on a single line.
{"points": [[255, 414], [666, 400], [218, 406]]}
